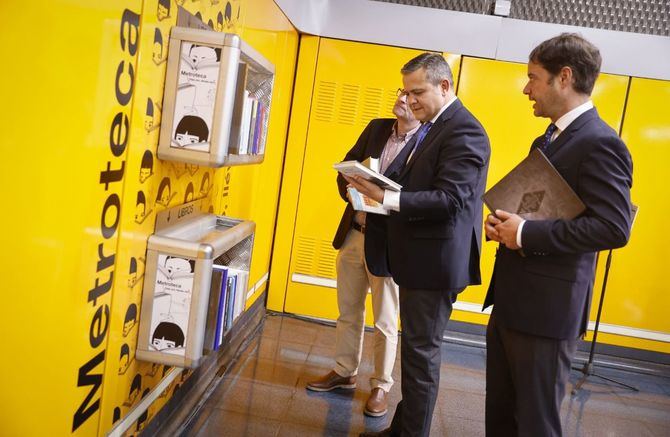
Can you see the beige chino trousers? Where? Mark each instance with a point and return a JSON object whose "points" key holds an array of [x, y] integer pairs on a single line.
{"points": [[353, 281]]}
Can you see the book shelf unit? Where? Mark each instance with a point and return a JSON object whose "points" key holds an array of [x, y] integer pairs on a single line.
{"points": [[217, 99], [195, 285]]}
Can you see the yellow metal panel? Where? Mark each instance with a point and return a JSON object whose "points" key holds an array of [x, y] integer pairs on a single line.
{"points": [[638, 294], [67, 98], [295, 149]]}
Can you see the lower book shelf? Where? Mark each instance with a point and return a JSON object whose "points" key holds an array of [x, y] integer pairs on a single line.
{"points": [[195, 288]]}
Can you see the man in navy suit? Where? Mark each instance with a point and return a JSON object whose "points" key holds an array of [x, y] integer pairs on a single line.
{"points": [[541, 300], [362, 263], [434, 231]]}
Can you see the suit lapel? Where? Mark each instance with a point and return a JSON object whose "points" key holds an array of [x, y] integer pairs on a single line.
{"points": [[565, 136], [433, 132]]}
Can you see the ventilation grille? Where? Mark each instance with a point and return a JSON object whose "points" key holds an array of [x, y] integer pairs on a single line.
{"points": [[315, 257], [350, 104], [638, 16]]}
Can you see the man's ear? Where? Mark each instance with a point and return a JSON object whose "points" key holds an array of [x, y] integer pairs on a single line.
{"points": [[565, 76], [445, 85]]}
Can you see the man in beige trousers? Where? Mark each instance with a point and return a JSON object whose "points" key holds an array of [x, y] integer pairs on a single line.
{"points": [[362, 264]]}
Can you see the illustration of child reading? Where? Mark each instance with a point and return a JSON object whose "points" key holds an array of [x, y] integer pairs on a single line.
{"points": [[196, 92], [172, 302]]}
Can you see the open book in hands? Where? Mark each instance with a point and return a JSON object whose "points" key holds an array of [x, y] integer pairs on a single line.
{"points": [[361, 202], [355, 168]]}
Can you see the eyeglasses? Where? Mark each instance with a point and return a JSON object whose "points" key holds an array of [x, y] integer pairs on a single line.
{"points": [[400, 92]]}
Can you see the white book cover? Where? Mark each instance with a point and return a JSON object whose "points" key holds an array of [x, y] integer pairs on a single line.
{"points": [[361, 202], [355, 168]]}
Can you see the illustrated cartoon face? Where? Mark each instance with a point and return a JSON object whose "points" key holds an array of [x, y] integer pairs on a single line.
{"points": [[163, 10], [167, 335], [204, 185], [174, 265], [124, 359], [186, 139], [157, 53], [189, 193], [164, 193], [140, 210], [147, 166], [200, 54]]}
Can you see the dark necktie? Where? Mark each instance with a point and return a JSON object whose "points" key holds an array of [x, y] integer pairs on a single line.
{"points": [[420, 135], [546, 140]]}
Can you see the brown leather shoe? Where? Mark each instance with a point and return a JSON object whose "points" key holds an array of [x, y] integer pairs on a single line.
{"points": [[377, 405], [332, 381], [383, 433]]}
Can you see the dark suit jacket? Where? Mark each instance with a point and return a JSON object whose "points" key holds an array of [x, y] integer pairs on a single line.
{"points": [[435, 238], [548, 292], [370, 144]]}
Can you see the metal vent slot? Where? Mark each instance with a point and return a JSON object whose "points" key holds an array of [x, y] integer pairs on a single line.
{"points": [[325, 263], [372, 104], [305, 255], [349, 104], [325, 101]]}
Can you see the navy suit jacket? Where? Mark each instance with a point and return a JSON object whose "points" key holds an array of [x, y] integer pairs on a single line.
{"points": [[548, 292], [370, 144], [435, 239]]}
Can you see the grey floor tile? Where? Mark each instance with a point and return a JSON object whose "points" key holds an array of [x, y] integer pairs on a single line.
{"points": [[228, 423]]}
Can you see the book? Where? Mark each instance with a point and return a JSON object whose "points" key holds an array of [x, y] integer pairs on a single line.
{"points": [[361, 202], [534, 190], [240, 110], [220, 313], [355, 168]]}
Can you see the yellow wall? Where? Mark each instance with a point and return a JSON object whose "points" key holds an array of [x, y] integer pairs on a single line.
{"points": [[346, 75], [68, 124]]}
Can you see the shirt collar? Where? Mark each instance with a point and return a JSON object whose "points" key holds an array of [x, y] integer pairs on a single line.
{"points": [[572, 115], [444, 108], [407, 134]]}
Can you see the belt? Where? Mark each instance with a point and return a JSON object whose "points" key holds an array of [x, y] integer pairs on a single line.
{"points": [[359, 228]]}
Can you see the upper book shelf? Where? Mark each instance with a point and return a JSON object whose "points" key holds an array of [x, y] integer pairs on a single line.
{"points": [[217, 99]]}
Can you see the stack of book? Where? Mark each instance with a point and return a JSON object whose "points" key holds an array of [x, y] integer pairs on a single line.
{"points": [[248, 119], [227, 300]]}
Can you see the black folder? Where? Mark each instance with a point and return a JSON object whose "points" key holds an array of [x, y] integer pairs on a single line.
{"points": [[535, 191]]}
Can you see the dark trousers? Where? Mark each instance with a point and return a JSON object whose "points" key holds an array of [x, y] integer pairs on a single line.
{"points": [[424, 315], [526, 377]]}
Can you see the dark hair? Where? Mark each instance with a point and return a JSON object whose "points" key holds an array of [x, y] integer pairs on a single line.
{"points": [[570, 50], [158, 37], [169, 331], [140, 198], [435, 65], [228, 11], [148, 157], [136, 384], [131, 313], [219, 18], [194, 125], [165, 4], [205, 177], [165, 183], [125, 350], [189, 190]]}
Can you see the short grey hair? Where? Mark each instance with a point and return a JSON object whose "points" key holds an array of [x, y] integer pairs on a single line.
{"points": [[435, 65]]}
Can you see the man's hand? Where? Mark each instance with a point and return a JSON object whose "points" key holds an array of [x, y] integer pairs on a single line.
{"points": [[489, 227], [507, 228], [367, 188]]}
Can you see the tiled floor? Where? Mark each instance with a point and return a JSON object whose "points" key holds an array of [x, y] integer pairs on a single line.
{"points": [[264, 393]]}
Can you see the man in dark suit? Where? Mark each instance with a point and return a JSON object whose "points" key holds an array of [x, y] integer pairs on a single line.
{"points": [[434, 231], [541, 300], [362, 263]]}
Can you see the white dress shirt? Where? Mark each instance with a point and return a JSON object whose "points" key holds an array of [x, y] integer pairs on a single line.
{"points": [[392, 198], [561, 125]]}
